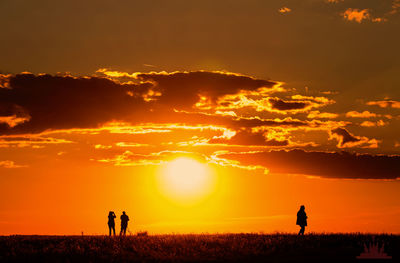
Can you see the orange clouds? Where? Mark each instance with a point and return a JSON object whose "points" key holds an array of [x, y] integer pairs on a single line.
{"points": [[364, 114], [322, 115], [356, 15], [10, 164], [385, 103], [30, 140], [156, 115], [262, 102], [4, 80], [284, 10], [359, 15], [13, 120], [129, 158], [379, 123]]}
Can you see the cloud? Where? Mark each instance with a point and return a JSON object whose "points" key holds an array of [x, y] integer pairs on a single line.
{"points": [[10, 164], [347, 140], [356, 15], [250, 138], [30, 140], [379, 123], [264, 102], [253, 122], [395, 7], [344, 136], [4, 80], [322, 164], [13, 120], [184, 89], [100, 146], [284, 10], [38, 103], [57, 102], [322, 115], [129, 158], [281, 105], [130, 144], [385, 103], [364, 114]]}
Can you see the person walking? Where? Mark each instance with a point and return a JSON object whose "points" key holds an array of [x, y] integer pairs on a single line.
{"points": [[124, 223], [111, 222], [302, 219]]}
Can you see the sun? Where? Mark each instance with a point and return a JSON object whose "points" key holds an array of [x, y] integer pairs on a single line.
{"points": [[186, 180]]}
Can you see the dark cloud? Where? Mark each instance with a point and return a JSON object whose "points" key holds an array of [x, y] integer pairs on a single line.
{"points": [[344, 136], [56, 102], [232, 122], [332, 165], [183, 89], [46, 102], [279, 104], [249, 138]]}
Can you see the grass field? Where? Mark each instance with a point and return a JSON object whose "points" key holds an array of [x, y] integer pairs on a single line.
{"points": [[193, 248]]}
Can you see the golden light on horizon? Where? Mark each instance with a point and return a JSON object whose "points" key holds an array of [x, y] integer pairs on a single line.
{"points": [[185, 180]]}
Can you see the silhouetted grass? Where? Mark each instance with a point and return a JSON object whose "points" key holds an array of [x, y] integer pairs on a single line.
{"points": [[193, 248]]}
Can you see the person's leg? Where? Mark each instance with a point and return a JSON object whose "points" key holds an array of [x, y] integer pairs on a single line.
{"points": [[109, 230], [113, 228], [302, 230]]}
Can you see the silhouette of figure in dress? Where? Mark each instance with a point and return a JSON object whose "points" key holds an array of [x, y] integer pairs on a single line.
{"points": [[111, 222], [301, 219], [124, 223]]}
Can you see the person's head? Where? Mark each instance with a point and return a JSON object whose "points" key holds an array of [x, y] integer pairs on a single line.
{"points": [[110, 213], [123, 212], [302, 207]]}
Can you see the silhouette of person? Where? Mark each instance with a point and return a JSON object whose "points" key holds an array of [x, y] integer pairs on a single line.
{"points": [[301, 219], [124, 223], [111, 222]]}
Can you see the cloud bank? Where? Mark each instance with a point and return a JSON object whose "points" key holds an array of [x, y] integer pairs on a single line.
{"points": [[323, 164]]}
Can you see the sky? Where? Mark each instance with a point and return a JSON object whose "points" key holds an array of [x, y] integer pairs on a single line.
{"points": [[199, 116]]}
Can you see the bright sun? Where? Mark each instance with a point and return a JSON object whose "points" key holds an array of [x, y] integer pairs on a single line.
{"points": [[186, 180]]}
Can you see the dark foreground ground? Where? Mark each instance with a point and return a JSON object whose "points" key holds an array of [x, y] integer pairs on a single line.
{"points": [[195, 248]]}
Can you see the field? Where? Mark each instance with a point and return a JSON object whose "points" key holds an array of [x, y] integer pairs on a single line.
{"points": [[193, 248]]}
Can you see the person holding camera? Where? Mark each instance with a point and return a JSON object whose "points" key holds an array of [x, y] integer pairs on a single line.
{"points": [[111, 222]]}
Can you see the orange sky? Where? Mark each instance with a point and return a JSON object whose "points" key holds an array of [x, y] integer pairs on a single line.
{"points": [[199, 123]]}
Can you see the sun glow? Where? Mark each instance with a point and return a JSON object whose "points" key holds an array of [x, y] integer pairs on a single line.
{"points": [[186, 180]]}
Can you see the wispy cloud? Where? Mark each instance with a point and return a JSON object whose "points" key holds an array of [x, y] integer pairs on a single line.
{"points": [[385, 103], [10, 164]]}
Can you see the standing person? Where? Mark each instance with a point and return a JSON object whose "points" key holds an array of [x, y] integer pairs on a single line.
{"points": [[111, 222], [302, 219], [124, 223]]}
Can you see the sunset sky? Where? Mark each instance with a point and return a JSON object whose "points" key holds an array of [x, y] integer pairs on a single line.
{"points": [[199, 116]]}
